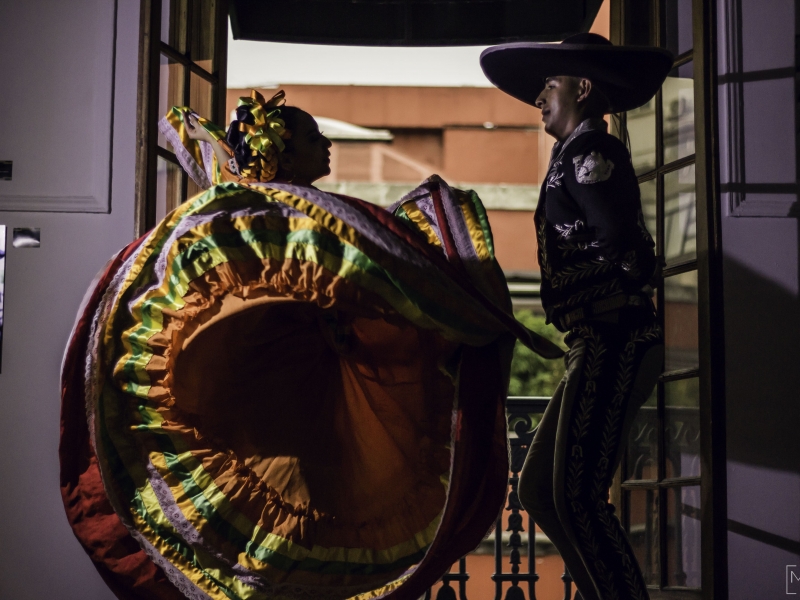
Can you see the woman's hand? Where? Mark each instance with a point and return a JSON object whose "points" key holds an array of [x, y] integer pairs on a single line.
{"points": [[194, 130]]}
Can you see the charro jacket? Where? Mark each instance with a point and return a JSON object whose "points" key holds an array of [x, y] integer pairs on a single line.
{"points": [[593, 243]]}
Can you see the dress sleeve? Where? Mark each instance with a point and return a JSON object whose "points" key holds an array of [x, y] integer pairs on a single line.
{"points": [[600, 179]]}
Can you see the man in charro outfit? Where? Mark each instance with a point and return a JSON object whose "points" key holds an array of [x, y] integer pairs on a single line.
{"points": [[597, 260]]}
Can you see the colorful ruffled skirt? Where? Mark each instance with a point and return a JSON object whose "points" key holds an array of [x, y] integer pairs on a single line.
{"points": [[283, 393]]}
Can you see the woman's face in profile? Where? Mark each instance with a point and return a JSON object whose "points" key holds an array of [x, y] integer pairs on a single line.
{"points": [[308, 157]]}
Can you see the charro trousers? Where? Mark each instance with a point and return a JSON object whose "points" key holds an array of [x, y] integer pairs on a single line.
{"points": [[612, 368]]}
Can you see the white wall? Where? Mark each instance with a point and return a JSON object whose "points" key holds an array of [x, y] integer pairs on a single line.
{"points": [[39, 556], [762, 309]]}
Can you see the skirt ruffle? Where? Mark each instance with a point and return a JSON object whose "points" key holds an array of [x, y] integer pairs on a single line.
{"points": [[290, 395]]}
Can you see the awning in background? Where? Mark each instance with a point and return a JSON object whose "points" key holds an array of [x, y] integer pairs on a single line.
{"points": [[410, 22]]}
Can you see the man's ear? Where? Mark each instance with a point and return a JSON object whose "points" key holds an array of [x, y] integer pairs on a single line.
{"points": [[584, 89]]}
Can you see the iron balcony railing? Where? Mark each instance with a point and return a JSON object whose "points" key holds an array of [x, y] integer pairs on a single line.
{"points": [[511, 542], [523, 414]]}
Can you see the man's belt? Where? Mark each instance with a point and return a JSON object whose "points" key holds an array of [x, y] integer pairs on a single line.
{"points": [[599, 307]]}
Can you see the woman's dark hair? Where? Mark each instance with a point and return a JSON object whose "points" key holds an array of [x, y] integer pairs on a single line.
{"points": [[291, 118], [236, 139]]}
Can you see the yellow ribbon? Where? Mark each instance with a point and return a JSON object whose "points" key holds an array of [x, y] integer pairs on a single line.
{"points": [[268, 129], [176, 118], [265, 137]]}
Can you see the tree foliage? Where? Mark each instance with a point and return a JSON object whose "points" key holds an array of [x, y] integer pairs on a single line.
{"points": [[532, 375]]}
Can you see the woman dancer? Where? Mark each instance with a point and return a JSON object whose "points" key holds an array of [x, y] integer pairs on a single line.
{"points": [[291, 394]]}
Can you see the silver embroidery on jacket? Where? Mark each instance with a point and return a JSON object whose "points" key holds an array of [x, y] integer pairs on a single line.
{"points": [[553, 175], [572, 237], [592, 168], [553, 179]]}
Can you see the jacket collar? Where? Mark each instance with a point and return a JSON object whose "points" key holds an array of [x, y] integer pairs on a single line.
{"points": [[558, 151], [586, 126]]}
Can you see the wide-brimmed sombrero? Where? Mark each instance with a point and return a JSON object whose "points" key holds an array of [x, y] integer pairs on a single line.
{"points": [[628, 75]]}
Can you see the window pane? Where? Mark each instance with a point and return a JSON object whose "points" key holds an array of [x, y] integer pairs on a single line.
{"points": [[680, 215], [643, 442], [678, 26], [641, 124], [677, 103], [643, 532], [203, 20], [682, 428], [680, 321], [168, 187], [648, 192], [170, 91], [192, 189], [173, 23], [201, 96], [683, 536]]}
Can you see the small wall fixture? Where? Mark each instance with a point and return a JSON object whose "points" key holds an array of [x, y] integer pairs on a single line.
{"points": [[26, 237]]}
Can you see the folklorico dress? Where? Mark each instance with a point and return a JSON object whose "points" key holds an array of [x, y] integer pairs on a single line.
{"points": [[290, 394]]}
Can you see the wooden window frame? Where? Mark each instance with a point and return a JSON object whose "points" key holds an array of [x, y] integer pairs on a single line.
{"points": [[708, 263], [147, 149], [708, 260]]}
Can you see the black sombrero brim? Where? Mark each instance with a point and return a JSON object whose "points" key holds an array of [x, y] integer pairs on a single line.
{"points": [[628, 76]]}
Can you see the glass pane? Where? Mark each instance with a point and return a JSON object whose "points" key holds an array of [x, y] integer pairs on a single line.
{"points": [[680, 215], [192, 189], [643, 531], [168, 187], [641, 124], [683, 536], [648, 192], [173, 23], [642, 449], [170, 91], [678, 26], [204, 17], [677, 103], [682, 428], [201, 96], [680, 321]]}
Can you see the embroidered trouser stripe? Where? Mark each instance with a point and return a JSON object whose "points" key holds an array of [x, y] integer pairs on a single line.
{"points": [[612, 369]]}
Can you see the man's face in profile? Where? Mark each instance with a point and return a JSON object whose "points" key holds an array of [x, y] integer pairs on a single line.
{"points": [[558, 102]]}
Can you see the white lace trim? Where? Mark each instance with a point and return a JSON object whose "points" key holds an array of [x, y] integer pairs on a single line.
{"points": [[207, 150], [173, 573], [196, 171], [93, 362]]}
